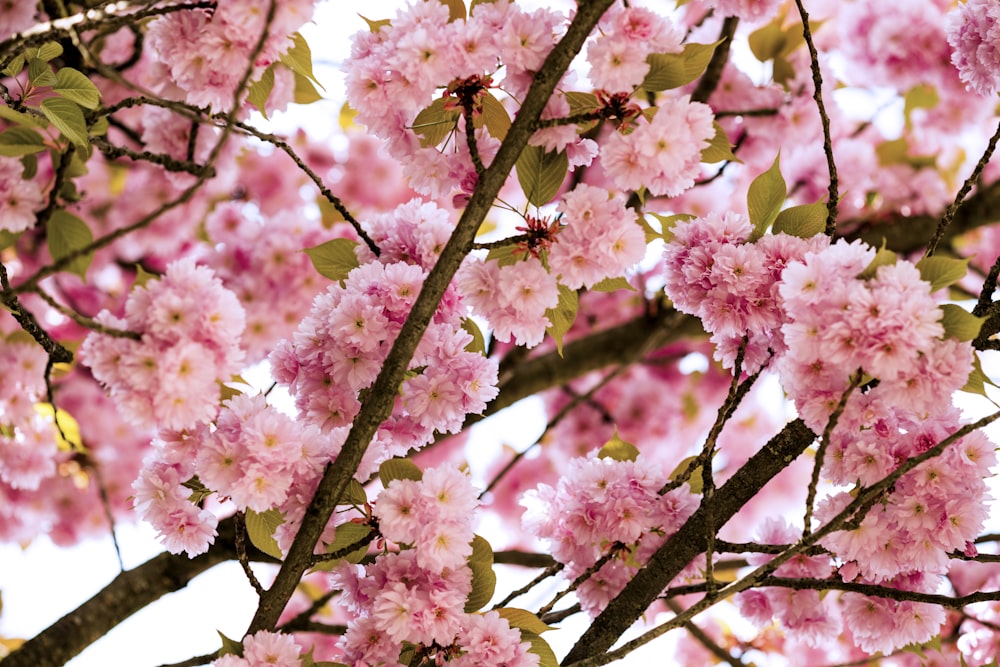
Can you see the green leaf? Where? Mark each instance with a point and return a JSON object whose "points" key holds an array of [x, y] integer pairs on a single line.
{"points": [[884, 257], [74, 85], [719, 149], [347, 534], [335, 258], [617, 449], [478, 343], [977, 381], [959, 323], [398, 468], [375, 26], [541, 174], [541, 648], [941, 272], [16, 65], [7, 239], [305, 91], [261, 90], [21, 118], [260, 530], [230, 646], [40, 73], [667, 223], [67, 233], [612, 285], [764, 199], [456, 9], [767, 42], [47, 51], [523, 620], [673, 70], [68, 118], [17, 141], [435, 122], [803, 221], [29, 164], [495, 117], [299, 58], [561, 317], [695, 481], [99, 127], [897, 151], [503, 255], [484, 579], [921, 96]]}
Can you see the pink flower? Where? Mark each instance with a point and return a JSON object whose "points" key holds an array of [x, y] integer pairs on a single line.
{"points": [[974, 36], [271, 649]]}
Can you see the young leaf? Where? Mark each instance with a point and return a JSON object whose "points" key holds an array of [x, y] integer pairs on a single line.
{"points": [[347, 534], [764, 199], [523, 620], [456, 9], [17, 141], [39, 73], [15, 66], [959, 323], [612, 285], [7, 239], [354, 494], [75, 86], [541, 174], [335, 258], [695, 480], [942, 271], [541, 648], [673, 70], [503, 255], [884, 257], [767, 42], [261, 90], [21, 118], [484, 579], [495, 117], [434, 123], [67, 233], [375, 26], [399, 469], [617, 449], [667, 223], [719, 149], [977, 381], [230, 646], [260, 530], [562, 316], [68, 434], [803, 221], [305, 91], [299, 58], [68, 118], [47, 51], [478, 343]]}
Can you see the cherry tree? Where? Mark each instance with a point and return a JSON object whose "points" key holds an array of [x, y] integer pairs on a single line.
{"points": [[742, 251]]}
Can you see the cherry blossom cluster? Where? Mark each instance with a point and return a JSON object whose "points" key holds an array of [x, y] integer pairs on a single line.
{"points": [[262, 263], [937, 508], [603, 505], [340, 346], [418, 596], [27, 436], [888, 325], [395, 600], [664, 154], [801, 614], [20, 198], [627, 35], [265, 649], [190, 328], [205, 53], [434, 515], [974, 36], [714, 273]]}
